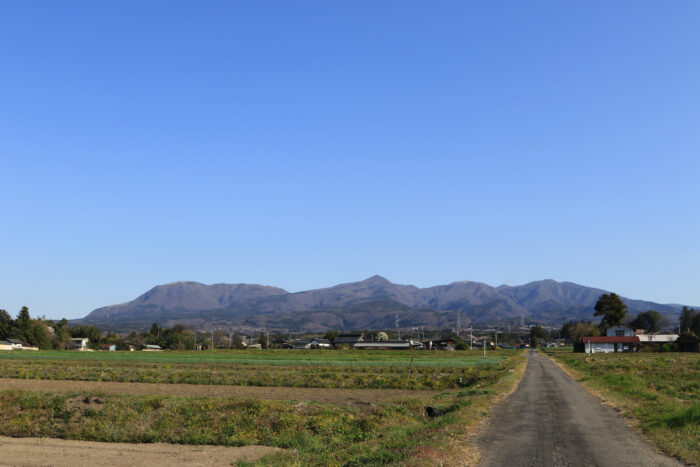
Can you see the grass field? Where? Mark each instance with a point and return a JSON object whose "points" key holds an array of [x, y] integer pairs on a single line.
{"points": [[323, 369], [659, 392], [312, 433]]}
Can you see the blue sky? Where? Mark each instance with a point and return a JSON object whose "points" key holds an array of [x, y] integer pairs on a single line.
{"points": [[304, 144]]}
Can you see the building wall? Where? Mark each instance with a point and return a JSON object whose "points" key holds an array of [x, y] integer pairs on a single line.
{"points": [[623, 331]]}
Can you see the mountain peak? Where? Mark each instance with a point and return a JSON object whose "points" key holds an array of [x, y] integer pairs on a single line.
{"points": [[377, 279], [368, 304]]}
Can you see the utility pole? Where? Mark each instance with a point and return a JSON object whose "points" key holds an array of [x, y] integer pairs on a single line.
{"points": [[471, 338], [496, 344], [398, 329], [212, 340], [459, 319]]}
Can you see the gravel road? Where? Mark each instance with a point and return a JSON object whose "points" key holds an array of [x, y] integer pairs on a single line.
{"points": [[551, 421]]}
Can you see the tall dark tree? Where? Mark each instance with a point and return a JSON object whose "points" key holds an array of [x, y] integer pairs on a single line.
{"points": [[23, 319], [687, 317], [612, 309], [695, 327], [5, 324]]}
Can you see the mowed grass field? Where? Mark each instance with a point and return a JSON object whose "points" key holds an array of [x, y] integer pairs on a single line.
{"points": [[660, 392], [401, 431], [292, 368]]}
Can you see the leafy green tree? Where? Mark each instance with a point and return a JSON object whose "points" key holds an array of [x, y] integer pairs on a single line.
{"points": [[536, 334], [651, 321], [612, 309], [93, 333], [331, 335], [39, 336]]}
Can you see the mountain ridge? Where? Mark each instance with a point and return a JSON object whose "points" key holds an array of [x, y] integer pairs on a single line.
{"points": [[367, 304]]}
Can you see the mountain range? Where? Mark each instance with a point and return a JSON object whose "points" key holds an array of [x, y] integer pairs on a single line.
{"points": [[374, 303]]}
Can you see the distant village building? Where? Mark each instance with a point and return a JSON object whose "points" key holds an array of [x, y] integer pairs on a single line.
{"points": [[656, 338], [439, 344], [610, 344], [311, 343], [16, 344], [619, 331], [388, 345], [282, 344], [152, 348], [79, 343], [5, 345], [347, 341]]}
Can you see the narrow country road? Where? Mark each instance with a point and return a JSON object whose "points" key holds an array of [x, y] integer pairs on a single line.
{"points": [[551, 421]]}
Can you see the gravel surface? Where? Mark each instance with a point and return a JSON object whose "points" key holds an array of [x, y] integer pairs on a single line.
{"points": [[550, 420]]}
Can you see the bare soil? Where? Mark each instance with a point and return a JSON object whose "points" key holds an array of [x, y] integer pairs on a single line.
{"points": [[335, 396], [60, 452]]}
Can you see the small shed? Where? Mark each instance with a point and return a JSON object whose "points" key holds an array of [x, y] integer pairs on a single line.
{"points": [[388, 345], [610, 344], [619, 331], [15, 343], [440, 344], [79, 343], [347, 341]]}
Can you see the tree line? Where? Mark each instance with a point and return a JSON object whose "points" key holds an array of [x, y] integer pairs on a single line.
{"points": [[613, 312], [41, 333]]}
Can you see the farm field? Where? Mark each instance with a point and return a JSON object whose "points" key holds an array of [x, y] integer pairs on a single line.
{"points": [[275, 357], [658, 392], [336, 396], [322, 369], [313, 426]]}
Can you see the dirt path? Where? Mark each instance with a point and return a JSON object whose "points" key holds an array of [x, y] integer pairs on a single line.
{"points": [[551, 421], [60, 452], [336, 396]]}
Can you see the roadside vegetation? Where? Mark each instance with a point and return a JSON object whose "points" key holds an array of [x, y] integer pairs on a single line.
{"points": [[404, 432], [659, 392]]}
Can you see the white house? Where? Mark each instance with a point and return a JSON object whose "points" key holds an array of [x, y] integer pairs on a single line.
{"points": [[657, 338], [311, 344], [79, 343], [16, 344], [619, 331], [610, 344], [5, 345]]}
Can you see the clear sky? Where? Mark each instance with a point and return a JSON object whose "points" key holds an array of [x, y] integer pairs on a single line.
{"points": [[304, 144]]}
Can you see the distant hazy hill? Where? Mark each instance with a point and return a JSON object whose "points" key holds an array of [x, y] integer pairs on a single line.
{"points": [[369, 304]]}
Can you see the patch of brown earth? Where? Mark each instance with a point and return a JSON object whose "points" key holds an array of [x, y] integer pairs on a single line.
{"points": [[60, 452], [335, 396]]}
